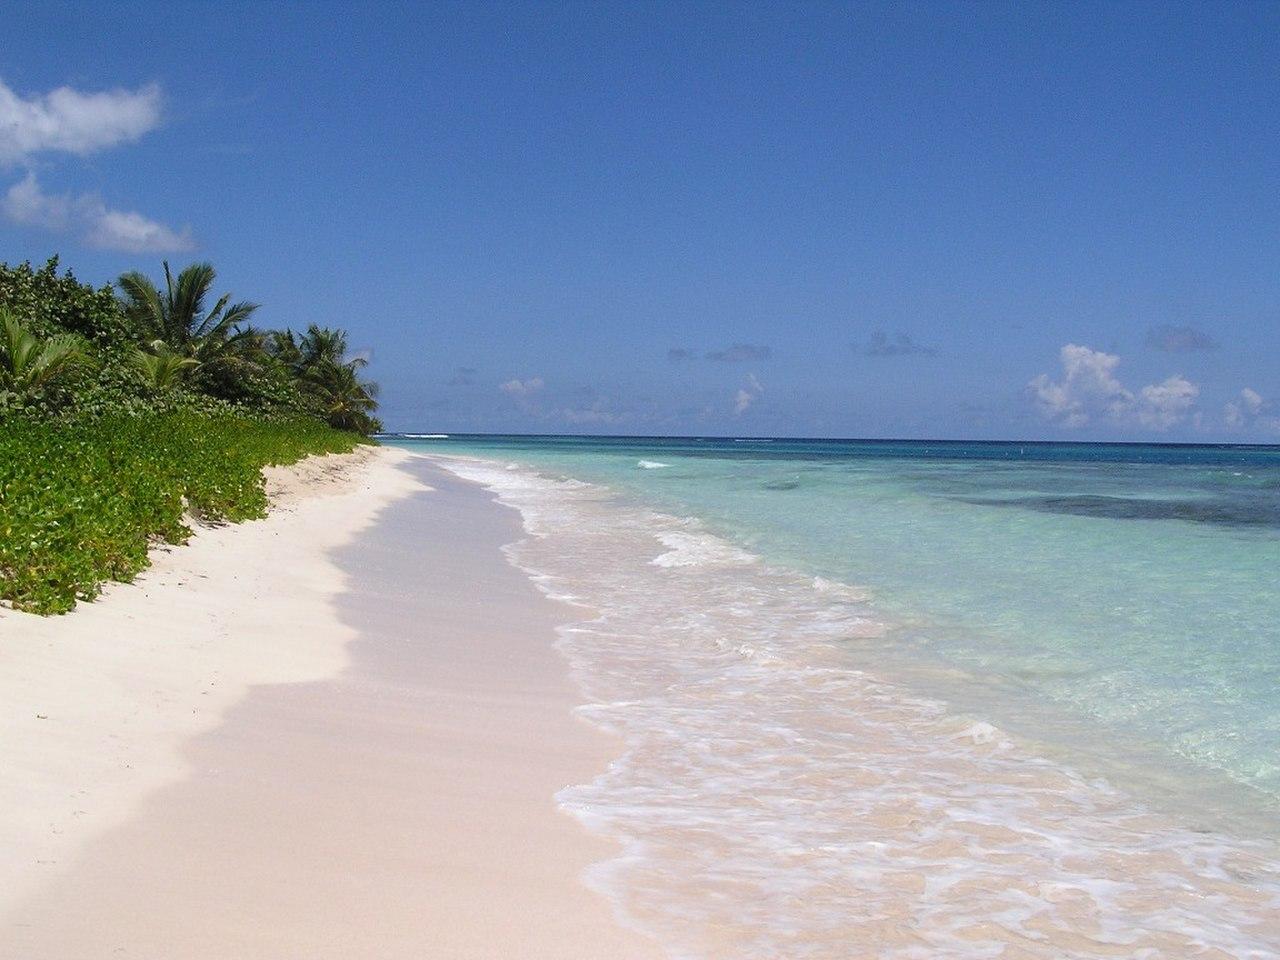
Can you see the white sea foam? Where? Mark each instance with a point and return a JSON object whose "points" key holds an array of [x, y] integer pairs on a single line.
{"points": [[651, 464], [983, 734], [774, 803], [835, 588], [692, 548]]}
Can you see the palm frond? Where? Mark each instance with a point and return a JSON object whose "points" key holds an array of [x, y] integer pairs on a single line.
{"points": [[202, 326], [187, 298], [29, 364], [239, 313], [321, 345], [141, 301], [164, 370], [57, 356]]}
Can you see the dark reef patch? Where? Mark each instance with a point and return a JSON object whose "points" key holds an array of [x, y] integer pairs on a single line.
{"points": [[1239, 513]]}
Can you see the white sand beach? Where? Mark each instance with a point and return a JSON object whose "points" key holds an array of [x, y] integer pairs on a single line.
{"points": [[335, 732]]}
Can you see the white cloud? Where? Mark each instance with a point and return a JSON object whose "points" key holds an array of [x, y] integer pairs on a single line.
{"points": [[1089, 390], [1247, 407], [529, 396], [134, 233], [746, 396], [70, 121], [27, 204], [596, 413], [522, 388], [1251, 411], [1162, 405], [1088, 384], [91, 219]]}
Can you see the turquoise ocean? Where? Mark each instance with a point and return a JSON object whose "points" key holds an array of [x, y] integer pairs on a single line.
{"points": [[1113, 610]]}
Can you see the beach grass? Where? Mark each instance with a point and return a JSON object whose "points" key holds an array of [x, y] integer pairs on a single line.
{"points": [[82, 501]]}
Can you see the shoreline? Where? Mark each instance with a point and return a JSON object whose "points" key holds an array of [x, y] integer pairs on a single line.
{"points": [[98, 702], [515, 757], [776, 799], [386, 788], [1201, 799]]}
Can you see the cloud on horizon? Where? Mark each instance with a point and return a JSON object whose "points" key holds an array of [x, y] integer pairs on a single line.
{"points": [[1171, 339], [597, 413], [91, 220], [69, 121], [1250, 411], [901, 345], [1089, 390], [738, 353], [522, 388], [747, 395]]}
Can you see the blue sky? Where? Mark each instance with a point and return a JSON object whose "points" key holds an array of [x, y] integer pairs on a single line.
{"points": [[964, 220]]}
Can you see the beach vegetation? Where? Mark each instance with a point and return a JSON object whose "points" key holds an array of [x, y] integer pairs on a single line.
{"points": [[218, 340], [322, 346], [129, 411], [161, 368], [178, 316], [348, 401], [30, 364], [82, 501]]}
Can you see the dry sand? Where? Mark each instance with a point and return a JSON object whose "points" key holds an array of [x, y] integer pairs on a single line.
{"points": [[291, 741]]}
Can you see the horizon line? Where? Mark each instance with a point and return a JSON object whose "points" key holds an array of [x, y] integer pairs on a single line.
{"points": [[444, 435]]}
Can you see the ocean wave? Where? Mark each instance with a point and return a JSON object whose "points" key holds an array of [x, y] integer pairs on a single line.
{"points": [[697, 549], [773, 802], [652, 465], [842, 590]]}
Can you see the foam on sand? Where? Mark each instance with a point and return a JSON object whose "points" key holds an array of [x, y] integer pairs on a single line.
{"points": [[696, 548], [775, 802]]}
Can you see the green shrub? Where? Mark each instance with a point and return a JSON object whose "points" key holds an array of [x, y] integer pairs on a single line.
{"points": [[82, 499], [104, 459], [49, 304]]}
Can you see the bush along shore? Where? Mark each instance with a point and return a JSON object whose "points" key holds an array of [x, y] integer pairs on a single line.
{"points": [[127, 409]]}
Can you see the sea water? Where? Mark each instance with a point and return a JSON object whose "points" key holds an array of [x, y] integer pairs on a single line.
{"points": [[920, 699]]}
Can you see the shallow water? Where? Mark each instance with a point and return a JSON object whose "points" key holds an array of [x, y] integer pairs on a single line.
{"points": [[869, 697]]}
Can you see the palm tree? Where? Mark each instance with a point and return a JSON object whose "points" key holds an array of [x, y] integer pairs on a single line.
{"points": [[162, 369], [282, 346], [28, 364], [321, 345], [319, 360], [178, 319], [347, 401]]}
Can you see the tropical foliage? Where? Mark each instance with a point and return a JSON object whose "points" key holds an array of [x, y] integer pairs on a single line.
{"points": [[346, 401], [81, 501], [180, 344], [123, 409], [178, 317], [29, 364], [162, 368]]}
